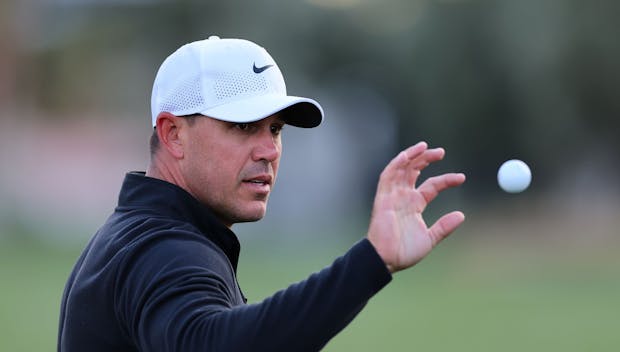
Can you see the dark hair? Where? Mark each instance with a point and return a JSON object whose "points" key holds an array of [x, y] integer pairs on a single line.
{"points": [[154, 140]]}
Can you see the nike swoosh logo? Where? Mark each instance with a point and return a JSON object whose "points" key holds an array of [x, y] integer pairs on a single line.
{"points": [[260, 69]]}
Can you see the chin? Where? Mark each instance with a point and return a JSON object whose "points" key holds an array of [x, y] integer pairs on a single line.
{"points": [[252, 214], [248, 219]]}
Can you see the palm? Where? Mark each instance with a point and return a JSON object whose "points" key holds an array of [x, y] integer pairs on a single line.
{"points": [[397, 228]]}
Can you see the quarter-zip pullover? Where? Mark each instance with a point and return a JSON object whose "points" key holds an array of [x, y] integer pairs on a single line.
{"points": [[160, 275]]}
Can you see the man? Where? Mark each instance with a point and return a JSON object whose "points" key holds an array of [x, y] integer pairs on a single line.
{"points": [[160, 275]]}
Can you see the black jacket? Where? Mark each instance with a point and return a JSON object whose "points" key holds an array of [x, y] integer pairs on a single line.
{"points": [[160, 275]]}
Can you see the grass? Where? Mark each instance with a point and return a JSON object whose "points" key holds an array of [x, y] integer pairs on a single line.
{"points": [[525, 314], [32, 282], [465, 297]]}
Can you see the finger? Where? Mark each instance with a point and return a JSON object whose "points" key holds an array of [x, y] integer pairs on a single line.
{"points": [[427, 157], [434, 185], [445, 226], [415, 150], [396, 169], [416, 166]]}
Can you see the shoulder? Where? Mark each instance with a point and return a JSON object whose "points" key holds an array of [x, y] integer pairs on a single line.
{"points": [[172, 258], [174, 243], [168, 270]]}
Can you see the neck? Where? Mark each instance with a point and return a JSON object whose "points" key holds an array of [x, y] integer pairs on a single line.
{"points": [[162, 170]]}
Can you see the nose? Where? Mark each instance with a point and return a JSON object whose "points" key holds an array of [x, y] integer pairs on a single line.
{"points": [[268, 148]]}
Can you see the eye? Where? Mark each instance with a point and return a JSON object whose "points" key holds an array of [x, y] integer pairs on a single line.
{"points": [[242, 126], [276, 129]]}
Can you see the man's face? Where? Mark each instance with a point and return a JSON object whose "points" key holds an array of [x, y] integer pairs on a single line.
{"points": [[231, 167]]}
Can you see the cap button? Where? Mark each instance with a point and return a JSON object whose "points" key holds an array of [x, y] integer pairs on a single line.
{"points": [[213, 37]]}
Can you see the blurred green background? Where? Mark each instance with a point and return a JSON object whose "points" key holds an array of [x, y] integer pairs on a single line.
{"points": [[487, 80]]}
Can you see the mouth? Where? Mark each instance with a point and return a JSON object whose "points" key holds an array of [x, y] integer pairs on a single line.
{"points": [[259, 184], [259, 180]]}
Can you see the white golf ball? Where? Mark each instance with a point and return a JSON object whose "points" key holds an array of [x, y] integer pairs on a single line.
{"points": [[514, 176]]}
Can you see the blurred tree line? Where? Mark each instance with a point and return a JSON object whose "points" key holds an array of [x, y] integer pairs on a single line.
{"points": [[489, 80]]}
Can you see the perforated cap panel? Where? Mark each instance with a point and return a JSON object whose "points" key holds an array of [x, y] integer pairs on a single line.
{"points": [[235, 84], [185, 96]]}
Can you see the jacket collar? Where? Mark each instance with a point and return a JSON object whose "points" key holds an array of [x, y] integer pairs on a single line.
{"points": [[168, 199]]}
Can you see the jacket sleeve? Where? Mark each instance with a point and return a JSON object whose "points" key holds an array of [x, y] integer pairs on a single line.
{"points": [[176, 296]]}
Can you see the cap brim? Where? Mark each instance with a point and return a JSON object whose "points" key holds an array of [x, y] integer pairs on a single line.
{"points": [[295, 111]]}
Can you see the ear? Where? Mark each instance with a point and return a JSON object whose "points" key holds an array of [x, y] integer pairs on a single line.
{"points": [[168, 127]]}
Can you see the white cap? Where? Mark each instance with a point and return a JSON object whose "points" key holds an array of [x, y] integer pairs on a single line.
{"points": [[232, 80]]}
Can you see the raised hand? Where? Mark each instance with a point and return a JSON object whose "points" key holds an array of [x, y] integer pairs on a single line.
{"points": [[397, 229]]}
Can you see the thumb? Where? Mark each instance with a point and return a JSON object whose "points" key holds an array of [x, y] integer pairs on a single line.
{"points": [[445, 226]]}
